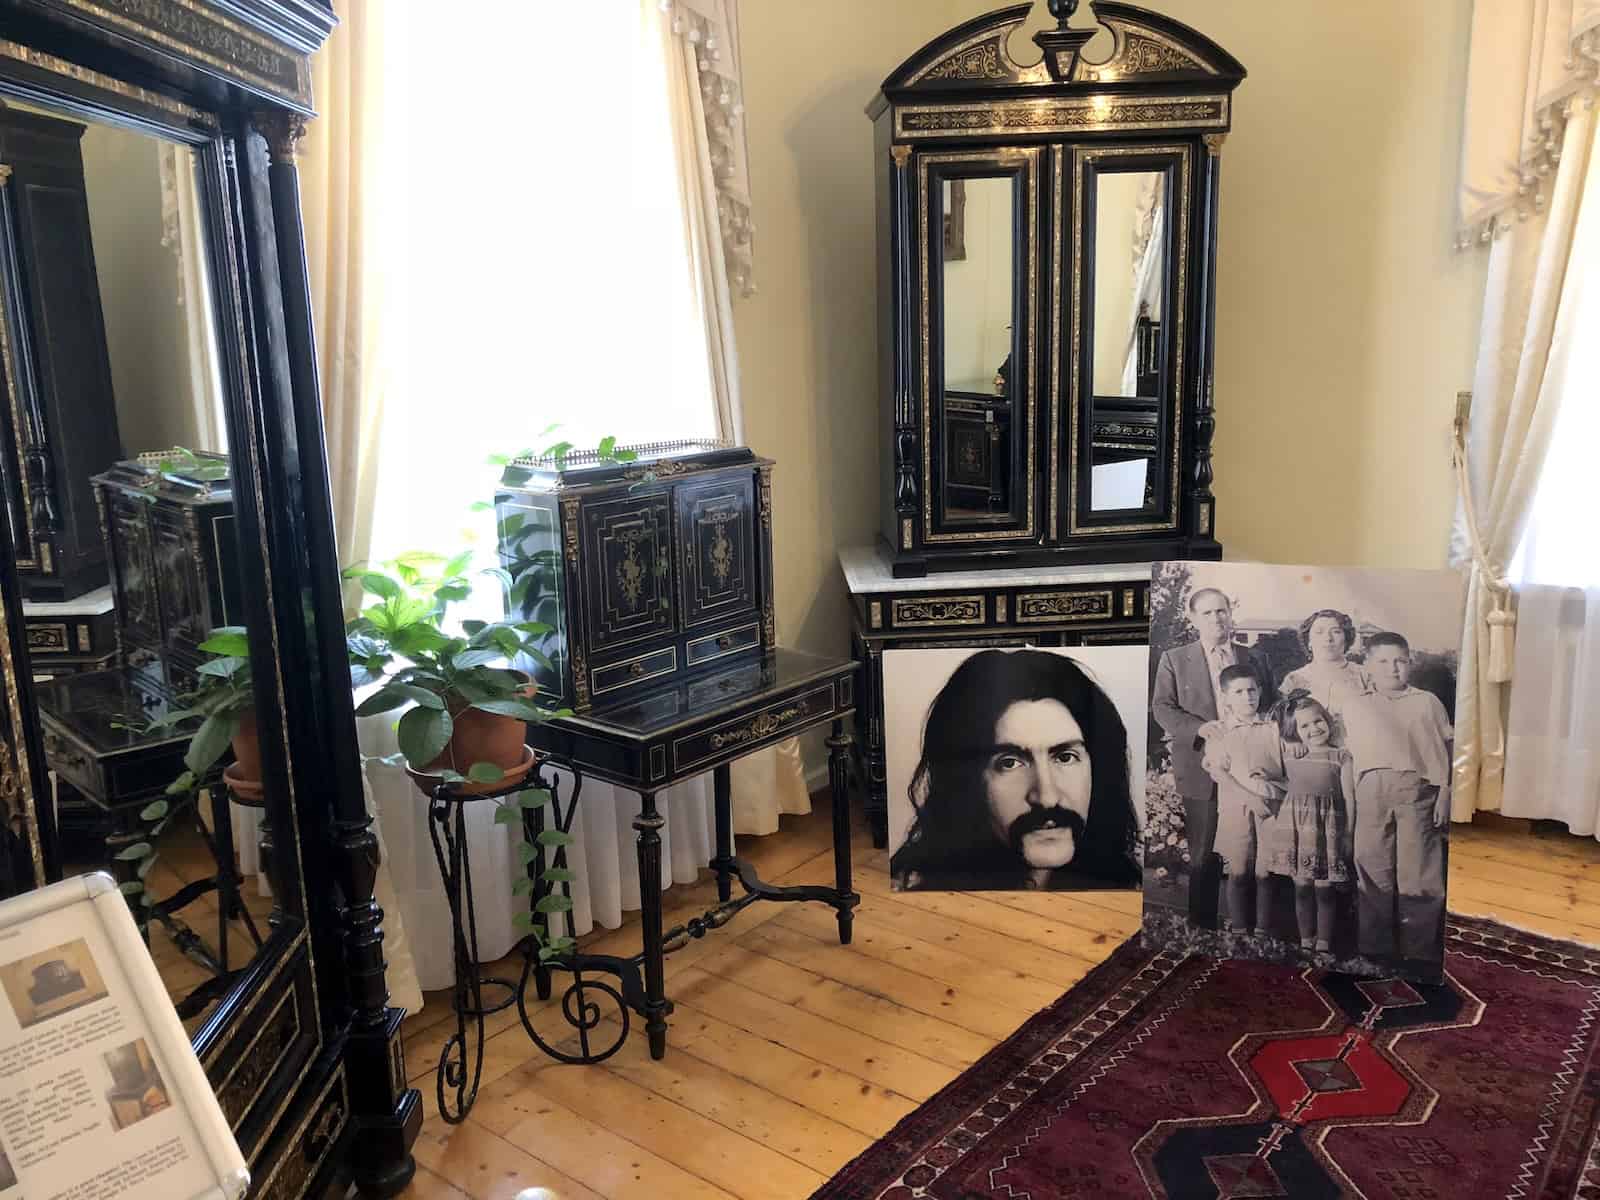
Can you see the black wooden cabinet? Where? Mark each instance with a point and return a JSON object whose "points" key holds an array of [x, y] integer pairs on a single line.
{"points": [[1053, 227], [60, 419], [644, 571], [171, 539]]}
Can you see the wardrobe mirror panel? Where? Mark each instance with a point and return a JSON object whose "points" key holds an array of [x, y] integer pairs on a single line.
{"points": [[1127, 344], [979, 276], [119, 517]]}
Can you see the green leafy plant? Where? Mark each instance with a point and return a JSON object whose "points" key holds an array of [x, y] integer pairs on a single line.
{"points": [[183, 463], [405, 640], [221, 701]]}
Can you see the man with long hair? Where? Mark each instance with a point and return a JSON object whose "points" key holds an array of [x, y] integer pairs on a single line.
{"points": [[1022, 783]]}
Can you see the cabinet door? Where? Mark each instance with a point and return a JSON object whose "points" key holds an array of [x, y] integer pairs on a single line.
{"points": [[716, 527], [629, 589], [138, 611], [979, 315], [180, 584]]}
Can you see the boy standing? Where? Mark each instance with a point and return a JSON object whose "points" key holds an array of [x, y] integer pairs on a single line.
{"points": [[1399, 741], [1245, 758]]}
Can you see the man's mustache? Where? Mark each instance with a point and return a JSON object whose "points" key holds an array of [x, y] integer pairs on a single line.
{"points": [[1036, 819]]}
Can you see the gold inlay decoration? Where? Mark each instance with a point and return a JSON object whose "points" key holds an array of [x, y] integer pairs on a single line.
{"points": [[630, 574], [764, 725], [47, 559], [1000, 609], [1056, 465], [5, 174], [71, 70], [900, 154], [233, 37], [1045, 607], [85, 641], [980, 61], [283, 131], [1178, 303], [1214, 142], [24, 558], [721, 554], [1028, 159], [905, 534], [1127, 602], [1079, 114], [764, 476], [875, 614], [1205, 517], [569, 529], [769, 624], [933, 611], [47, 637]]}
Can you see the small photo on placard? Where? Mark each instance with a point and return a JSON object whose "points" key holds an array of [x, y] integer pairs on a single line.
{"points": [[1010, 769], [137, 1090], [52, 982]]}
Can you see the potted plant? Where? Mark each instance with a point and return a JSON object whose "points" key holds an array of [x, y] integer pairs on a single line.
{"points": [[224, 702], [471, 704]]}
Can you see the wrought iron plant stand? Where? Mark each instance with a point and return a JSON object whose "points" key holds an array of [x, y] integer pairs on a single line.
{"points": [[634, 984]]}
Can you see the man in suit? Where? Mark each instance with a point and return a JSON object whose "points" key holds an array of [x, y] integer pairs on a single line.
{"points": [[1186, 697]]}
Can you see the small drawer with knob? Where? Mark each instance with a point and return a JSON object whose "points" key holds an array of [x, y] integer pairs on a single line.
{"points": [[713, 646], [656, 665]]}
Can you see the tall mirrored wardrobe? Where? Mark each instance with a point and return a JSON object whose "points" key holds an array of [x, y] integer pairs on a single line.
{"points": [[1047, 256], [176, 702]]}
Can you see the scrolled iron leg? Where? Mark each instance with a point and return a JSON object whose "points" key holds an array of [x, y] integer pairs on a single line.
{"points": [[839, 781], [722, 864], [647, 826]]}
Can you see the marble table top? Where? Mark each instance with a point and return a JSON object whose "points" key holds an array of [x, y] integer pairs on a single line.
{"points": [[869, 569], [87, 605]]}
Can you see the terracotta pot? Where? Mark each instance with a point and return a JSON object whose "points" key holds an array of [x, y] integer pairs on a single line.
{"points": [[426, 781], [483, 737], [247, 749], [249, 792]]}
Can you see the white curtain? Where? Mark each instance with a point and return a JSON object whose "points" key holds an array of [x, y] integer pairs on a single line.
{"points": [[1553, 733], [183, 233], [1528, 190]]}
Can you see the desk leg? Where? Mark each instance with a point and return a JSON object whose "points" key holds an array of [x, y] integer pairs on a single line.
{"points": [[839, 782], [723, 863], [647, 825]]}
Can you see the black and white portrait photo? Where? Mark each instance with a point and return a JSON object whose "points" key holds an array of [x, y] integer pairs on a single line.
{"points": [[1011, 769], [1298, 763]]}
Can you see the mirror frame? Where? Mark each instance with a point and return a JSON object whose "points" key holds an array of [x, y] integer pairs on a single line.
{"points": [[304, 1051], [1023, 165], [1175, 162]]}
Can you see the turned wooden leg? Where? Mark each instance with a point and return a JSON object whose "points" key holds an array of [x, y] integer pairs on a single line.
{"points": [[722, 864], [647, 825], [839, 781]]}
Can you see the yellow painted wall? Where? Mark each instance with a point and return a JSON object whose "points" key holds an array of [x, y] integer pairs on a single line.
{"points": [[1345, 321]]}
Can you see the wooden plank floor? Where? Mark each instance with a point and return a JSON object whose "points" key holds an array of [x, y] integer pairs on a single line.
{"points": [[789, 1054]]}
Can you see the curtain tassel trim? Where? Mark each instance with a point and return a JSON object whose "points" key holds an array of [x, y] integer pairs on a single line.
{"points": [[1501, 619]]}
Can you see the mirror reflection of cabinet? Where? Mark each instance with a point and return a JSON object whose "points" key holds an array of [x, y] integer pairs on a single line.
{"points": [[1048, 257]]}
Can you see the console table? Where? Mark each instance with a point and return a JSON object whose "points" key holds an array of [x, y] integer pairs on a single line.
{"points": [[646, 742], [1024, 606]]}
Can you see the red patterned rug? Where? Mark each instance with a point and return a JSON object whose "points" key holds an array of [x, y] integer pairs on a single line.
{"points": [[1183, 1078]]}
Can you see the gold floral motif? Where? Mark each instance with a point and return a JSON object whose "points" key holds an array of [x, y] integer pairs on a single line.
{"points": [[900, 154], [952, 610], [765, 475], [972, 62], [1146, 56], [1061, 116], [764, 725], [580, 677], [721, 554], [630, 572], [1064, 606], [769, 625], [569, 529]]}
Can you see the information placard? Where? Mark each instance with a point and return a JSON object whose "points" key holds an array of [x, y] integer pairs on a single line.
{"points": [[101, 1094]]}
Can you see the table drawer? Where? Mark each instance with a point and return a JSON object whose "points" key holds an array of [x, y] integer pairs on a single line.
{"points": [[714, 646], [656, 665], [1051, 605]]}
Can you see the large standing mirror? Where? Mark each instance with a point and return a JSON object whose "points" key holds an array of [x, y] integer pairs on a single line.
{"points": [[119, 514], [1129, 338]]}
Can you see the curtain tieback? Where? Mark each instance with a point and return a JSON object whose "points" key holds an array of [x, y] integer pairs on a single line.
{"points": [[1501, 620]]}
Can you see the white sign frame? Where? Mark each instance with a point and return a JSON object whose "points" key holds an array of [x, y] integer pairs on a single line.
{"points": [[148, 1006]]}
